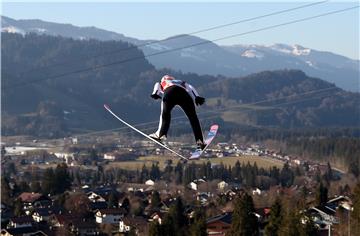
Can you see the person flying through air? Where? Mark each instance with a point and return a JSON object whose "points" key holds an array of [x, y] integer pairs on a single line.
{"points": [[177, 92]]}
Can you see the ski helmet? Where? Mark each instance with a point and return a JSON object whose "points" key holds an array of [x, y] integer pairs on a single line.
{"points": [[167, 77]]}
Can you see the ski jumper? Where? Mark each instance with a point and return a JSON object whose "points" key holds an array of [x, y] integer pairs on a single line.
{"points": [[177, 92]]}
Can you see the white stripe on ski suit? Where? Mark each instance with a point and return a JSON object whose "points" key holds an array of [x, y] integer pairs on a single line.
{"points": [[189, 88]]}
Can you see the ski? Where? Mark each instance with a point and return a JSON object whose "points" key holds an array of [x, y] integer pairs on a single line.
{"points": [[142, 133], [209, 138]]}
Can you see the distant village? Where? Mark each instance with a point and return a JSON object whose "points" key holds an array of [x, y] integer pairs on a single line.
{"points": [[98, 202]]}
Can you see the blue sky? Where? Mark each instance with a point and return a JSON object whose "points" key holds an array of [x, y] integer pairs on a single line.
{"points": [[338, 33]]}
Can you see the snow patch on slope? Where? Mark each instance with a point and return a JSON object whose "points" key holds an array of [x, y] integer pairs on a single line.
{"points": [[13, 30], [251, 53], [158, 47], [300, 51]]}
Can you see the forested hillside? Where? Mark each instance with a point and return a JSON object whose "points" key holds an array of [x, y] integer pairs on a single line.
{"points": [[42, 96]]}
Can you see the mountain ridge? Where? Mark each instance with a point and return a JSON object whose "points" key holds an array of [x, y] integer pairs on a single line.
{"points": [[214, 59]]}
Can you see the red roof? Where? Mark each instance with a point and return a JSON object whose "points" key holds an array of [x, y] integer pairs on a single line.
{"points": [[29, 197]]}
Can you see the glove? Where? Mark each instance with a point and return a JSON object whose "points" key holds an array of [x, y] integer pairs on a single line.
{"points": [[199, 101], [155, 96]]}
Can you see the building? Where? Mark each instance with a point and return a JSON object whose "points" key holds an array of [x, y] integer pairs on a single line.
{"points": [[83, 228], [222, 185], [219, 225], [137, 224], [193, 186], [21, 222], [32, 200], [110, 215], [111, 156], [150, 182]]}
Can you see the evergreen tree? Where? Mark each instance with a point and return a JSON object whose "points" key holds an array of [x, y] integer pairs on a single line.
{"points": [[286, 176], [18, 207], [144, 174], [198, 228], [354, 168], [113, 200], [62, 178], [355, 214], [6, 192], [24, 186], [48, 184], [35, 187], [328, 176], [275, 174], [168, 226], [177, 214], [155, 229], [126, 205], [244, 222], [272, 228], [155, 172], [179, 173], [310, 227], [321, 195], [291, 224], [155, 199]]}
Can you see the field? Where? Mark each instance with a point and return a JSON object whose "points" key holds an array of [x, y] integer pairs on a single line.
{"points": [[149, 160]]}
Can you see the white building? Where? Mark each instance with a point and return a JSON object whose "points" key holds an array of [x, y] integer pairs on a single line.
{"points": [[193, 186], [94, 197], [222, 185], [110, 156], [150, 182], [109, 216], [256, 191]]}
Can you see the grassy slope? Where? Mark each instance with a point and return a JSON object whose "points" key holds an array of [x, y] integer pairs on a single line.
{"points": [[148, 161]]}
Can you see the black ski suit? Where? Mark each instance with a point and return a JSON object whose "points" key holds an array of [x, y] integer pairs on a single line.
{"points": [[182, 94]]}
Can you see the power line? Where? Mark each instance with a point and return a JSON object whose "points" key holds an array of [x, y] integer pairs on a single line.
{"points": [[182, 35], [180, 48]]}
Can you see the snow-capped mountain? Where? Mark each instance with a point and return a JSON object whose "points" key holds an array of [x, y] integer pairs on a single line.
{"points": [[194, 54], [66, 30]]}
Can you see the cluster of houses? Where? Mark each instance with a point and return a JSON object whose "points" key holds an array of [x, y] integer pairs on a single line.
{"points": [[42, 217]]}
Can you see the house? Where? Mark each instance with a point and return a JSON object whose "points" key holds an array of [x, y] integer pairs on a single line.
{"points": [[32, 200], [94, 206], [21, 222], [43, 214], [203, 197], [193, 186], [137, 223], [256, 191], [110, 215], [132, 187], [74, 140], [219, 225], [102, 194], [83, 228], [95, 197], [150, 182], [23, 231], [323, 215], [61, 220], [340, 201], [222, 185], [111, 156]]}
